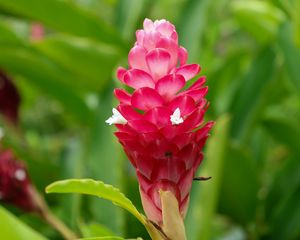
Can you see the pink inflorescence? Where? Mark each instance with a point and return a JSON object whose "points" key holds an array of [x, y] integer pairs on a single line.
{"points": [[14, 182], [160, 125]]}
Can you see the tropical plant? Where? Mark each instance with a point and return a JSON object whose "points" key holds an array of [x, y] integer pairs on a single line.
{"points": [[62, 57]]}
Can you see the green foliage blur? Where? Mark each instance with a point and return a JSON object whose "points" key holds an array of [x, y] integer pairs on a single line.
{"points": [[248, 49]]}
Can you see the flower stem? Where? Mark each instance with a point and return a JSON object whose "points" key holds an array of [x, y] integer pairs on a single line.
{"points": [[44, 211], [57, 224]]}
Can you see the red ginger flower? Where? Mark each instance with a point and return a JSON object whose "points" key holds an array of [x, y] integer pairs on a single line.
{"points": [[9, 98], [160, 126], [15, 185]]}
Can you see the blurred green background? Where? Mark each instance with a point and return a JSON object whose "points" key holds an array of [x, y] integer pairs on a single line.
{"points": [[250, 52]]}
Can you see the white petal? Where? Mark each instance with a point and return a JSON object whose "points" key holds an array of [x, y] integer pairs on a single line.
{"points": [[177, 113], [175, 117], [116, 118], [20, 174]]}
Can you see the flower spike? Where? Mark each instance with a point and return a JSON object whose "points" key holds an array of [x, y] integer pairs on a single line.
{"points": [[15, 184], [160, 125]]}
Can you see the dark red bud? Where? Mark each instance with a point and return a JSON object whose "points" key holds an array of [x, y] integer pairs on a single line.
{"points": [[9, 98], [15, 185]]}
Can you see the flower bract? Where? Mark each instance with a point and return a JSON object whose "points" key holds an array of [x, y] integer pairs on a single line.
{"points": [[161, 123]]}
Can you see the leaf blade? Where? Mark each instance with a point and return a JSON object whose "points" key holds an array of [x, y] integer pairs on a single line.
{"points": [[291, 54], [89, 60], [12, 228], [46, 76], [248, 100], [103, 238], [203, 212], [67, 18], [96, 188]]}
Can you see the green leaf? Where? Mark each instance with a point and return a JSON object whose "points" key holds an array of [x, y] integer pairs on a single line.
{"points": [[239, 188], [103, 238], [101, 142], [282, 209], [12, 228], [289, 209], [108, 238], [296, 22], [64, 16], [205, 200], [46, 76], [92, 62], [166, 9], [291, 54], [128, 14], [95, 229], [247, 103], [96, 188], [74, 166], [225, 80], [7, 36], [192, 25], [284, 129], [258, 17]]}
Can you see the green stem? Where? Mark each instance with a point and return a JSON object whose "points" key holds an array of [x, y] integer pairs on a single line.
{"points": [[49, 217]]}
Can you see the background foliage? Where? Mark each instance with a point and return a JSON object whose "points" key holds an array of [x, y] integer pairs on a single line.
{"points": [[250, 53]]}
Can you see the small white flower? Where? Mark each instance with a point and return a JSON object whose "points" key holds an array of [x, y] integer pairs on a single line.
{"points": [[116, 118], [1, 133], [20, 174], [175, 117]]}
